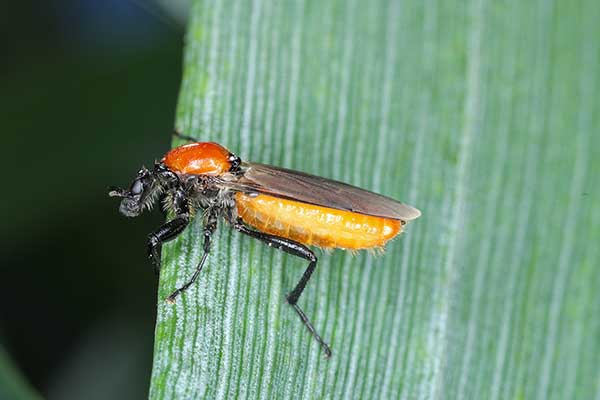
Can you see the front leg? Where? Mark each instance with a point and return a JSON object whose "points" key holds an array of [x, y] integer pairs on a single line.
{"points": [[165, 233], [171, 229]]}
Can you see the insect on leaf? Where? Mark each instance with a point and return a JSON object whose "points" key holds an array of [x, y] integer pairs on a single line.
{"points": [[484, 115]]}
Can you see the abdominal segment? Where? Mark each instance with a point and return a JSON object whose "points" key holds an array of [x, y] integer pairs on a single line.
{"points": [[315, 225]]}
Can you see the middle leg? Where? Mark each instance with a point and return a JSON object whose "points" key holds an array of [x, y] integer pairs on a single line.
{"points": [[180, 135], [209, 229]]}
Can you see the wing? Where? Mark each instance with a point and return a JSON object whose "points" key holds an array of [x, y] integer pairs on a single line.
{"points": [[306, 188]]}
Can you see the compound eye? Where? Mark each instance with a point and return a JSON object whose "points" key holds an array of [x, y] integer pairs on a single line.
{"points": [[137, 187]]}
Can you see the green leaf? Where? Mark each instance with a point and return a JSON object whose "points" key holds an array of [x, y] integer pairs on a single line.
{"points": [[484, 115], [12, 384]]}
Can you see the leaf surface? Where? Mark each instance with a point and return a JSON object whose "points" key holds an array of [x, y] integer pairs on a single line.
{"points": [[485, 116]]}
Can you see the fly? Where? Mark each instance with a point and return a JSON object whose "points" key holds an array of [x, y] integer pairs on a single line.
{"points": [[286, 209]]}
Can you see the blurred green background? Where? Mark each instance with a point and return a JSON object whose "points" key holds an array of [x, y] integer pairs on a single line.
{"points": [[89, 90]]}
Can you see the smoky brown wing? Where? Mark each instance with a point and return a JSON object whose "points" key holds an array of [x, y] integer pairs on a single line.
{"points": [[320, 191]]}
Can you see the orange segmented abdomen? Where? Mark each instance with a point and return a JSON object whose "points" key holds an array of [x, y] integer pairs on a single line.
{"points": [[315, 225]]}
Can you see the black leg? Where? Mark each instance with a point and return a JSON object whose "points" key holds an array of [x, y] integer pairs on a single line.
{"points": [[180, 135], [165, 233], [209, 229], [299, 250], [171, 229]]}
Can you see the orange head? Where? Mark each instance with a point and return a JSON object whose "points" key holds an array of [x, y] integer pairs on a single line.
{"points": [[203, 158]]}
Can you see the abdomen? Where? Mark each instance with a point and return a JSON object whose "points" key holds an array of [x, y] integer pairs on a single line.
{"points": [[315, 225]]}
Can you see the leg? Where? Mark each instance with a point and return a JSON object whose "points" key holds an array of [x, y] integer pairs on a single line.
{"points": [[209, 228], [299, 250], [165, 233], [170, 230], [180, 135]]}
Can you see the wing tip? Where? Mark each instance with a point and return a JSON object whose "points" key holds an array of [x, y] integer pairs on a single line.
{"points": [[409, 213]]}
